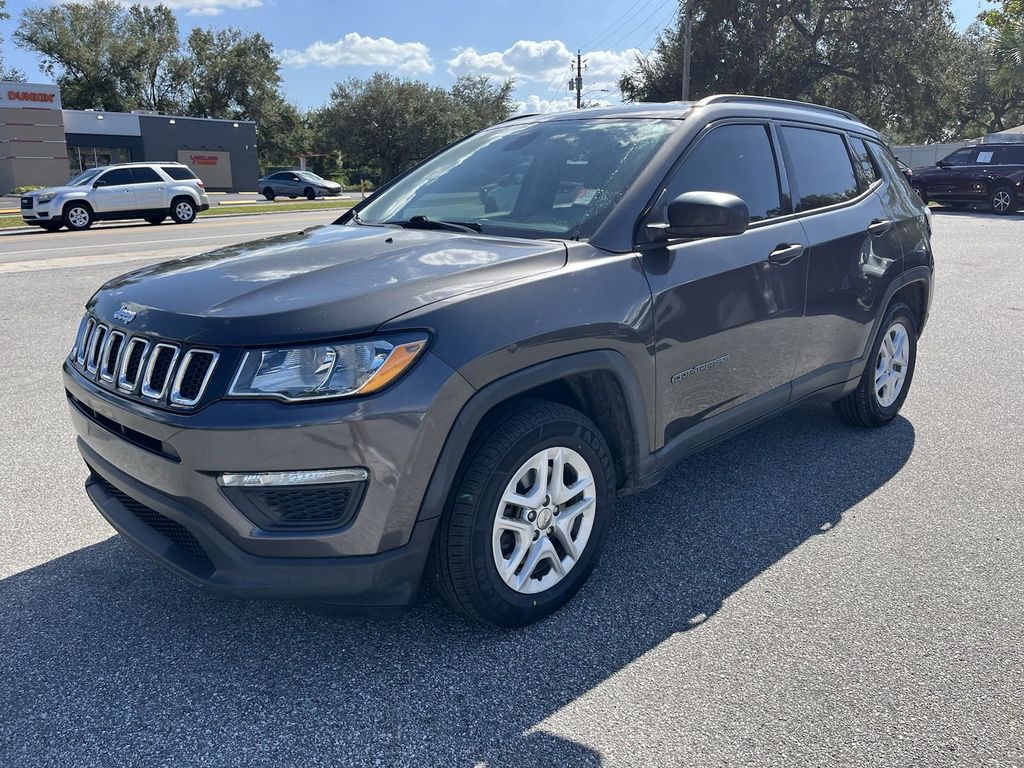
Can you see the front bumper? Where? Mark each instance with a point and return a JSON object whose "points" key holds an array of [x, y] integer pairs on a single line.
{"points": [[169, 462], [194, 549]]}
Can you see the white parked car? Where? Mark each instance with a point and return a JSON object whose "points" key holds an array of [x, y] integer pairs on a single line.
{"points": [[149, 191]]}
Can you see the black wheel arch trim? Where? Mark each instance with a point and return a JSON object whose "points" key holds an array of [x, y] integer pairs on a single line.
{"points": [[517, 383]]}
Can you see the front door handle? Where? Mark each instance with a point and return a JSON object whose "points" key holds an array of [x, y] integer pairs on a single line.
{"points": [[785, 253], [879, 227]]}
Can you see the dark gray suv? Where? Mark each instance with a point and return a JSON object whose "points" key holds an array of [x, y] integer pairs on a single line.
{"points": [[459, 376]]}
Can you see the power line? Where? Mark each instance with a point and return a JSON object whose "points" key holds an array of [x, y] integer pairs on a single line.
{"points": [[611, 28], [633, 29]]}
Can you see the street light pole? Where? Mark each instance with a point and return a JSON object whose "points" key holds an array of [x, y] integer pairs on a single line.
{"points": [[687, 46]]}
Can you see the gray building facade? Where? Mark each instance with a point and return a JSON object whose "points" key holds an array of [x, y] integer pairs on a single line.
{"points": [[45, 145]]}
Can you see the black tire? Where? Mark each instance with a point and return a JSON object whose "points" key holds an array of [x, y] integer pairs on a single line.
{"points": [[862, 407], [310, 193], [292, 197], [461, 561], [82, 215], [155, 219], [52, 226], [183, 210], [955, 206], [1003, 200], [269, 194]]}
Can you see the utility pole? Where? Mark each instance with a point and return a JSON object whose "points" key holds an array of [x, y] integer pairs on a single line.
{"points": [[576, 84], [687, 46]]}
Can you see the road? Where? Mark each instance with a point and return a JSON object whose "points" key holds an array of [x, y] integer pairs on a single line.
{"points": [[805, 594], [123, 244]]}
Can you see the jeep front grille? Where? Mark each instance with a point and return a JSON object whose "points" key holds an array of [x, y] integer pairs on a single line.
{"points": [[155, 371]]}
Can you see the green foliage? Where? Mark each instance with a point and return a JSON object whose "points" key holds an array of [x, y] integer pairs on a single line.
{"points": [[1008, 13], [25, 189], [901, 65], [388, 123]]}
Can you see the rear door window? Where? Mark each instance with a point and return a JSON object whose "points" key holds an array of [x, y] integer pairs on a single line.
{"points": [[822, 173], [960, 157], [863, 165], [145, 175], [737, 159]]}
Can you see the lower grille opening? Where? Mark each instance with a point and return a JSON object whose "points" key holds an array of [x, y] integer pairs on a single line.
{"points": [[310, 508], [178, 534], [133, 436]]}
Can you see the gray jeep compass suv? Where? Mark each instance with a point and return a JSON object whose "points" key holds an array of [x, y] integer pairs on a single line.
{"points": [[459, 376]]}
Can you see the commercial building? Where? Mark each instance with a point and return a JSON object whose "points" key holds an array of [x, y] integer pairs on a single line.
{"points": [[43, 144]]}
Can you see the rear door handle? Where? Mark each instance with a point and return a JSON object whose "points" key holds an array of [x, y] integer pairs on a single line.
{"points": [[879, 227], [783, 254]]}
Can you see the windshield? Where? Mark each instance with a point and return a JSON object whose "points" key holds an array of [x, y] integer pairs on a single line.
{"points": [[85, 177], [548, 179], [310, 176]]}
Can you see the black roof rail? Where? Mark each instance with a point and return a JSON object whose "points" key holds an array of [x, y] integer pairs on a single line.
{"points": [[723, 98], [520, 116]]}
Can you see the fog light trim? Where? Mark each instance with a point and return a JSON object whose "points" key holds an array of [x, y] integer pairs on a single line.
{"points": [[297, 477]]}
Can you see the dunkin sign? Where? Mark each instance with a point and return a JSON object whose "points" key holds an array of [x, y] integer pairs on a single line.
{"points": [[29, 95]]}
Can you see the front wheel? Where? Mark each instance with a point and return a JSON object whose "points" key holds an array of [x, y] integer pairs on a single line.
{"points": [[1003, 200], [78, 217], [51, 226], [310, 193], [183, 211], [886, 380], [527, 517]]}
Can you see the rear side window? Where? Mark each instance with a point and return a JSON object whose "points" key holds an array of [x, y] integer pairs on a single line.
{"points": [[886, 161], [867, 174], [145, 175], [822, 173], [737, 159], [177, 172]]}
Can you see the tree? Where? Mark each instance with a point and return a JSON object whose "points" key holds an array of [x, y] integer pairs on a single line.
{"points": [[481, 102], [82, 47], [895, 63], [388, 123]]}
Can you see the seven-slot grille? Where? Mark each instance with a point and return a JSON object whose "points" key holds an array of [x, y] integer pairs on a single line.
{"points": [[157, 371], [26, 202]]}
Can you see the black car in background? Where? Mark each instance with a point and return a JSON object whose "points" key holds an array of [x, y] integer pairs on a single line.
{"points": [[986, 174]]}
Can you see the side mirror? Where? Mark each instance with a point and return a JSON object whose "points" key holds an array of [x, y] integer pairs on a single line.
{"points": [[99, 183], [705, 214], [942, 164]]}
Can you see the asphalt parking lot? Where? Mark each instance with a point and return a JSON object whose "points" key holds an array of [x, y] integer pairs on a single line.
{"points": [[805, 594]]}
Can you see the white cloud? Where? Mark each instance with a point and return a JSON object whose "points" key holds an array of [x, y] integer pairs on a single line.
{"points": [[194, 7], [355, 49], [538, 61]]}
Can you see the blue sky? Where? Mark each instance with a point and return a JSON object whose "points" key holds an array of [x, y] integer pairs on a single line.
{"points": [[323, 41]]}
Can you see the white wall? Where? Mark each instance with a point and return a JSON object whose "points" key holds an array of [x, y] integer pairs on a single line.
{"points": [[104, 123]]}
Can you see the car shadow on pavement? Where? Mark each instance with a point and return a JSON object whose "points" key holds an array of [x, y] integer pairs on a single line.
{"points": [[106, 659]]}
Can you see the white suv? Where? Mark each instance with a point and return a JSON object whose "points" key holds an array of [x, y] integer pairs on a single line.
{"points": [[150, 191]]}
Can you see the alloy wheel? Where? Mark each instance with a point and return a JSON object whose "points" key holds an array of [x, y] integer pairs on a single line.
{"points": [[891, 366], [184, 211], [1001, 200], [544, 520], [78, 217]]}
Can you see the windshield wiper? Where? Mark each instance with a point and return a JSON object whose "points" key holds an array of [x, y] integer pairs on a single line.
{"points": [[422, 222]]}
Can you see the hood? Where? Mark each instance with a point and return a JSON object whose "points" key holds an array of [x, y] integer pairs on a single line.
{"points": [[54, 191], [326, 282]]}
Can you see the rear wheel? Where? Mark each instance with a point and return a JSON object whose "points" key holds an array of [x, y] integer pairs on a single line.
{"points": [[527, 517], [77, 217], [183, 211], [155, 219], [269, 194], [886, 380], [956, 206], [1003, 200]]}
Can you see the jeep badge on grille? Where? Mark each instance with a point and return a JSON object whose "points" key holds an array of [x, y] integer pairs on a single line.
{"points": [[125, 315]]}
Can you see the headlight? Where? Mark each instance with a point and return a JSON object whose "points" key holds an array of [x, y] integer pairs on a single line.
{"points": [[45, 198], [320, 371]]}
